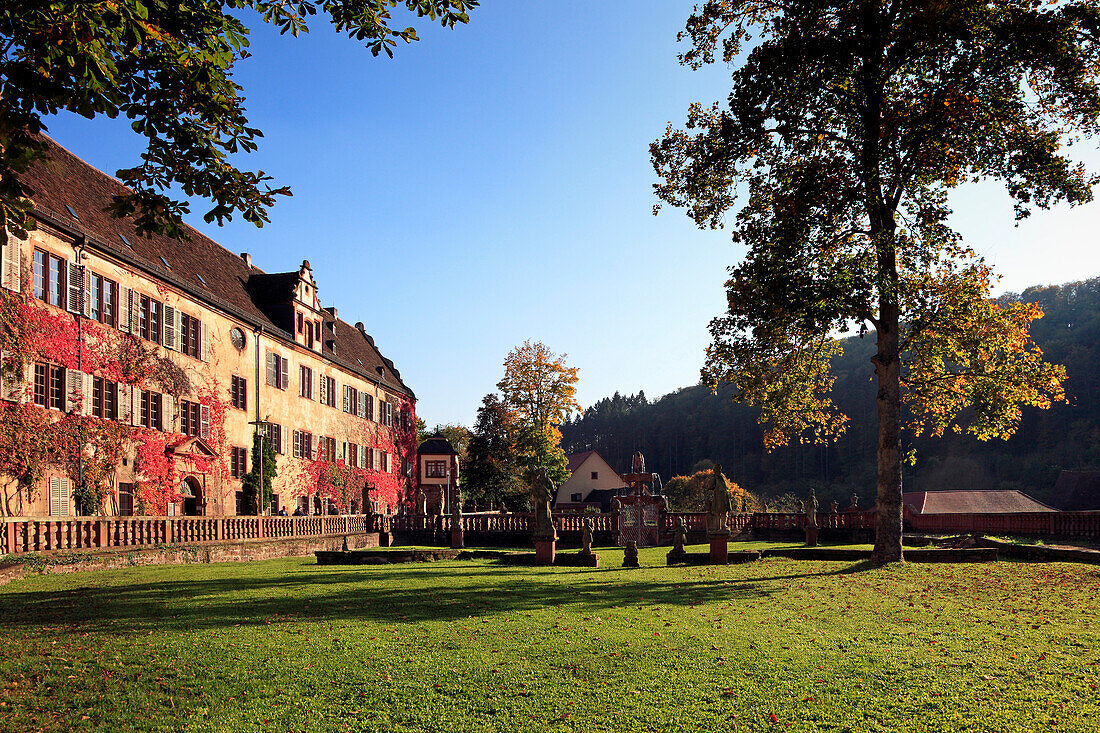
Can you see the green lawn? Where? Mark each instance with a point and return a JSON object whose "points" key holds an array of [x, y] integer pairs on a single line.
{"points": [[474, 645]]}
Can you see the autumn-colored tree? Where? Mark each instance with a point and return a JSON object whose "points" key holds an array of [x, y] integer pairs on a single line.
{"points": [[539, 387], [689, 493], [167, 66], [847, 125]]}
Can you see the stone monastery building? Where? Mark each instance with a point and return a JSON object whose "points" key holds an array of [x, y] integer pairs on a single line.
{"points": [[136, 371]]}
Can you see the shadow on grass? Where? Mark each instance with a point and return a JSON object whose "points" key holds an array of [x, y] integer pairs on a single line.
{"points": [[393, 594]]}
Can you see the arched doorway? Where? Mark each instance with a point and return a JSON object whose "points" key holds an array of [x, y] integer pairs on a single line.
{"points": [[192, 497]]}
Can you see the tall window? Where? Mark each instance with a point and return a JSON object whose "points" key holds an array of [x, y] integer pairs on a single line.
{"points": [[307, 382], [330, 391], [149, 319], [351, 400], [303, 445], [273, 436], [103, 299], [149, 415], [326, 449], [278, 368], [189, 417], [189, 335], [49, 386], [238, 391], [49, 278], [353, 455], [238, 462], [104, 398]]}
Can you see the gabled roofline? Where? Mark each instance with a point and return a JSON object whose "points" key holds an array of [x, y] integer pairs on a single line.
{"points": [[134, 260]]}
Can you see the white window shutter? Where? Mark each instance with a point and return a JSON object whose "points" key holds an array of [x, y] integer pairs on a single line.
{"points": [[272, 379], [135, 406], [74, 386], [284, 437], [74, 303], [285, 384], [204, 422], [171, 333], [169, 417], [11, 383], [322, 389], [12, 275], [55, 496], [86, 294], [65, 496], [313, 443], [362, 456], [345, 398], [86, 388], [361, 408], [124, 403], [134, 306], [204, 341], [123, 308]]}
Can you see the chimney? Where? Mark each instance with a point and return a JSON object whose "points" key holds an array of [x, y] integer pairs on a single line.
{"points": [[247, 258]]}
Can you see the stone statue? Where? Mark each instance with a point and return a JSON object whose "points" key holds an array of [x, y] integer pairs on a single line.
{"points": [[679, 536], [800, 507], [421, 503], [718, 504], [811, 510], [855, 503], [639, 462], [764, 507], [542, 494], [630, 555], [834, 507], [586, 537]]}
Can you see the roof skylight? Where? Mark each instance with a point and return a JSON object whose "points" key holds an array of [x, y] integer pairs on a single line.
{"points": [[125, 241], [74, 215], [201, 280], [165, 262]]}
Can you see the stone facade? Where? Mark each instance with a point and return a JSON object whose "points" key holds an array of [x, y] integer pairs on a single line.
{"points": [[190, 346]]}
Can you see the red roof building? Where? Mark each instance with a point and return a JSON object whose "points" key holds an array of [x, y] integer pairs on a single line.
{"points": [[972, 502]]}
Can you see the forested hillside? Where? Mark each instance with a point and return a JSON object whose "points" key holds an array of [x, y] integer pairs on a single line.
{"points": [[681, 429]]}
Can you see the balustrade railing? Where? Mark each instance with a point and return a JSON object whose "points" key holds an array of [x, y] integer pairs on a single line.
{"points": [[18, 536]]}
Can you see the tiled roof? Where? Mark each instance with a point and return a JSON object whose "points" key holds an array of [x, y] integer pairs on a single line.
{"points": [[576, 459], [972, 502], [199, 266], [436, 445]]}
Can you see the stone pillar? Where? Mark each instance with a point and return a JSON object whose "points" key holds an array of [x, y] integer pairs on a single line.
{"points": [[719, 549], [544, 552]]}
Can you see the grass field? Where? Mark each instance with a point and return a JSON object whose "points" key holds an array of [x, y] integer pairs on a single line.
{"points": [[470, 646]]}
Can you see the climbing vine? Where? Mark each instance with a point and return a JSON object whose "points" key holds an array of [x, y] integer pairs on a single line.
{"points": [[90, 449]]}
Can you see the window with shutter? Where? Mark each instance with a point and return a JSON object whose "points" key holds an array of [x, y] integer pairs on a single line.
{"points": [[272, 370], [170, 331], [124, 296], [204, 342], [12, 275], [59, 496], [204, 424], [76, 289], [322, 390]]}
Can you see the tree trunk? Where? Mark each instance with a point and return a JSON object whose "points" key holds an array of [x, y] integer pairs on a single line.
{"points": [[888, 371]]}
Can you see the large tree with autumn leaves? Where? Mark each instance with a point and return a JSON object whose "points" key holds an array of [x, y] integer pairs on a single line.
{"points": [[539, 389], [847, 125]]}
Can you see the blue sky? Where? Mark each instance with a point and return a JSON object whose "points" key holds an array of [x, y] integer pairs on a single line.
{"points": [[491, 184]]}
